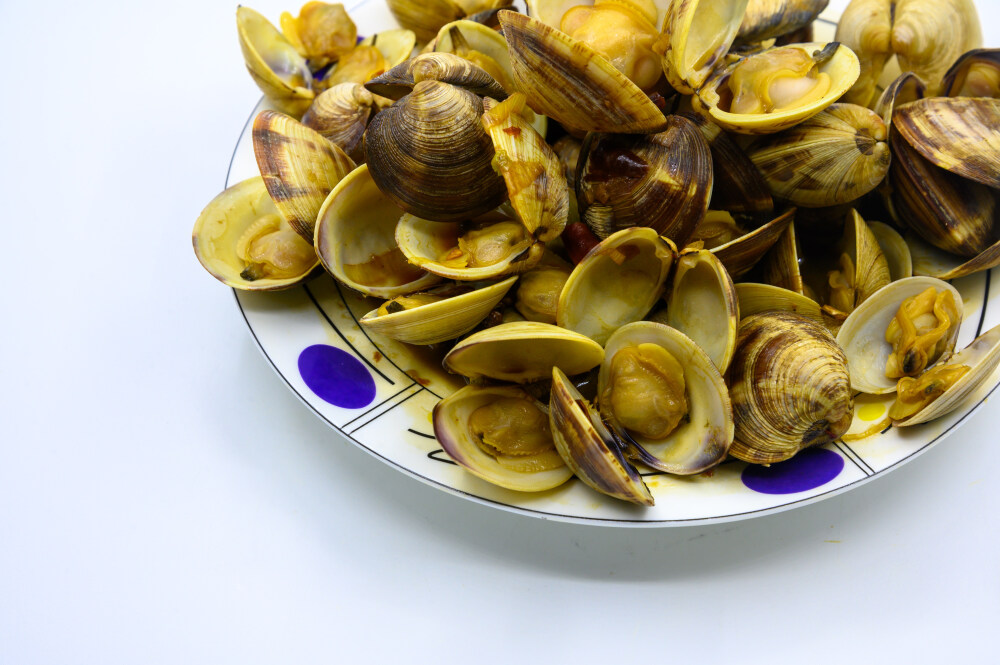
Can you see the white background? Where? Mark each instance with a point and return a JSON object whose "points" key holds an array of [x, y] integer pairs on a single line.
{"points": [[164, 498]]}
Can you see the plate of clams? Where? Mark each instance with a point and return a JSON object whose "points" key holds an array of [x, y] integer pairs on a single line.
{"points": [[622, 262]]}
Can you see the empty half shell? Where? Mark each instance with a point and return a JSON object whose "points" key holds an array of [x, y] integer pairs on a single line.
{"points": [[743, 253], [975, 74], [696, 36], [275, 66], [502, 435]]}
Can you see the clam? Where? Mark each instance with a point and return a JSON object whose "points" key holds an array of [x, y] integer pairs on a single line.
{"points": [[341, 115], [898, 257], [933, 321], [426, 17], [617, 282], [299, 167], [395, 45], [275, 66], [662, 181], [766, 19], [926, 36], [790, 387], [975, 74], [536, 182], [436, 315], [522, 352], [487, 247], [740, 254], [444, 67], [500, 434], [932, 262], [481, 46], [322, 32], [663, 395], [244, 243], [538, 289], [430, 154], [572, 83], [833, 158], [360, 64], [703, 305], [755, 298], [588, 448], [355, 240], [862, 268], [696, 36]]}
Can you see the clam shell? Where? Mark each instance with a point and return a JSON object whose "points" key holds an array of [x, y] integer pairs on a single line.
{"points": [[300, 168], [790, 388], [218, 230], [766, 19], [465, 34], [932, 262], [833, 158], [444, 67], [451, 416], [697, 35], [863, 334], [782, 268], [742, 254], [536, 181], [617, 282], [355, 240], [439, 321], [395, 45], [983, 356], [430, 154], [341, 115], [702, 440], [425, 17], [703, 305], [897, 253], [570, 82], [588, 448], [975, 74], [663, 181], [523, 351], [842, 67], [275, 66], [958, 134], [756, 298]]}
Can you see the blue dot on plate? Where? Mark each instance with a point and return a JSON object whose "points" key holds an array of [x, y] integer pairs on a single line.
{"points": [[808, 470], [336, 376]]}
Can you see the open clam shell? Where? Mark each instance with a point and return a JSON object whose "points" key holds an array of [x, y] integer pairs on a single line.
{"points": [[570, 82], [588, 448], [755, 298], [715, 97], [703, 438], [696, 36], [975, 74], [617, 282], [223, 227], [523, 351], [703, 305], [439, 321], [450, 249], [930, 261], [790, 388], [444, 67], [982, 357], [355, 240], [742, 254], [525, 473], [863, 334], [300, 168], [275, 66], [480, 45], [898, 257], [766, 19], [395, 45]]}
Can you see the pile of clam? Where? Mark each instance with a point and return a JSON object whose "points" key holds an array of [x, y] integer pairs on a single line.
{"points": [[645, 231]]}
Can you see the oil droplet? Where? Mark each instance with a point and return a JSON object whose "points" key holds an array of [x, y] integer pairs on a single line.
{"points": [[871, 412]]}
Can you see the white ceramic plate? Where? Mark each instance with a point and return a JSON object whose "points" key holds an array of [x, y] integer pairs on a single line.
{"points": [[378, 394]]}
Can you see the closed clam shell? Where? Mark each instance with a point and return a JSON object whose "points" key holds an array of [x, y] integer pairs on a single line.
{"points": [[569, 81], [430, 154], [863, 334], [588, 448], [926, 36], [221, 226], [523, 351], [340, 114], [975, 74], [714, 98], [300, 168], [439, 321], [275, 66], [790, 388], [742, 254], [663, 181], [703, 438], [765, 19], [451, 427], [982, 357], [703, 305], [617, 282], [958, 134], [835, 157], [355, 240]]}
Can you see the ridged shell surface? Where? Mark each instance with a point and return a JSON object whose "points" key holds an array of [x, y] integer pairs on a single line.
{"points": [[341, 115]]}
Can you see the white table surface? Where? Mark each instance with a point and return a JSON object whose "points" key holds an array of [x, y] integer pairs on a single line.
{"points": [[164, 498]]}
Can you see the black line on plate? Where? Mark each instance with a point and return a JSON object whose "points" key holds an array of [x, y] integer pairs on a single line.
{"points": [[886, 429], [360, 355], [855, 458], [380, 404], [986, 299], [389, 410], [436, 455], [426, 436]]}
